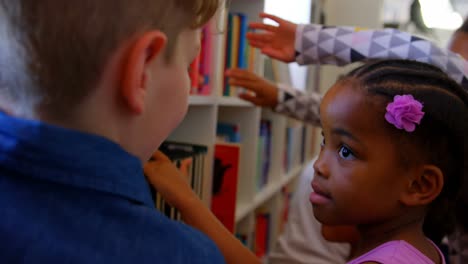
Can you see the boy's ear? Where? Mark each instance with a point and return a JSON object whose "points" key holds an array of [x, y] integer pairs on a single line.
{"points": [[424, 186], [144, 50]]}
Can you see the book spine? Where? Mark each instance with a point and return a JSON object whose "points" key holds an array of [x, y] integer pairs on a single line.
{"points": [[228, 56], [194, 75], [206, 60]]}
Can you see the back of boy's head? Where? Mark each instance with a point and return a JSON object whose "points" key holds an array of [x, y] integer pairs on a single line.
{"points": [[438, 140], [52, 52]]}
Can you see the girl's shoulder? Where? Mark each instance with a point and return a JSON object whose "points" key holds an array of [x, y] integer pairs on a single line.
{"points": [[391, 252]]}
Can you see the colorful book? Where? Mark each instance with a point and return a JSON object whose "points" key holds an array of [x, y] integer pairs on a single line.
{"points": [[206, 60], [243, 28], [225, 176], [194, 75], [262, 228], [228, 132], [238, 52]]}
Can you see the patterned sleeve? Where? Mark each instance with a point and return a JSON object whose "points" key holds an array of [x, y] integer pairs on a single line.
{"points": [[299, 105], [318, 44]]}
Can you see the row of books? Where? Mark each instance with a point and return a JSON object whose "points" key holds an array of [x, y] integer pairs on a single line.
{"points": [[190, 159], [294, 150], [229, 132], [257, 238], [237, 54], [265, 227]]}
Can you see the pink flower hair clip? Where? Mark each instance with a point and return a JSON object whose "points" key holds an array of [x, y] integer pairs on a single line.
{"points": [[404, 112]]}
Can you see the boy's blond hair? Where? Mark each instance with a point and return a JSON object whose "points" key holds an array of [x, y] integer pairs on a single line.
{"points": [[53, 52]]}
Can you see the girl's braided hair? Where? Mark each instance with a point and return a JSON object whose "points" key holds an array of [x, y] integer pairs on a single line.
{"points": [[438, 140]]}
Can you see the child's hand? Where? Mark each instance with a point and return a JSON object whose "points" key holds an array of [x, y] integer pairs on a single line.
{"points": [[276, 41], [266, 93], [164, 176]]}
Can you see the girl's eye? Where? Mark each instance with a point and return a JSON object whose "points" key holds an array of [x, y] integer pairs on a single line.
{"points": [[346, 153]]}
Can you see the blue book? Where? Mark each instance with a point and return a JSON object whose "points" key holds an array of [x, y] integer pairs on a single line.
{"points": [[242, 61], [230, 132]]}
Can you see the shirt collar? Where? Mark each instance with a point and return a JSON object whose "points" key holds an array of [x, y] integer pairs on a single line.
{"points": [[51, 153]]}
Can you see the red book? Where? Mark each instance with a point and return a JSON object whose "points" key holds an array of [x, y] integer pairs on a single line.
{"points": [[261, 234], [194, 75], [205, 61], [226, 172]]}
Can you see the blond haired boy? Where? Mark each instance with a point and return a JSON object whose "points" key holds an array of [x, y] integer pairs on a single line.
{"points": [[88, 91]]}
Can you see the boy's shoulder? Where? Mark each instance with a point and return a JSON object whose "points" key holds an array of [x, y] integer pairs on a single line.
{"points": [[50, 223]]}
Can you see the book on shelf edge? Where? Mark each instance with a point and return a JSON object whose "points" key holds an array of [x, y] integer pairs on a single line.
{"points": [[225, 177], [190, 160]]}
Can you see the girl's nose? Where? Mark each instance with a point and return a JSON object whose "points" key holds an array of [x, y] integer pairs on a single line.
{"points": [[321, 166]]}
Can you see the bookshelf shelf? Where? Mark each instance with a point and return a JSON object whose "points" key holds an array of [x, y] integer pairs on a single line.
{"points": [[233, 101], [201, 100], [266, 193]]}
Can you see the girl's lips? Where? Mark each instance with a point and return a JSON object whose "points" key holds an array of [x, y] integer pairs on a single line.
{"points": [[319, 195]]}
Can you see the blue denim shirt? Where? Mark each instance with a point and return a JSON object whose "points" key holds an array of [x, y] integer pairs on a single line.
{"points": [[70, 197]]}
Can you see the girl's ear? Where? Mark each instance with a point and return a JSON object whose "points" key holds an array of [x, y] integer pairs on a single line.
{"points": [[144, 51], [424, 187]]}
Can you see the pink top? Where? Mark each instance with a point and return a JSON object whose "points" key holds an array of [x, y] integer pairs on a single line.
{"points": [[398, 252]]}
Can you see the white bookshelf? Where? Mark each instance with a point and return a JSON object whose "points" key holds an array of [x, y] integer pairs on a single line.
{"points": [[233, 101], [198, 100], [264, 195], [199, 127]]}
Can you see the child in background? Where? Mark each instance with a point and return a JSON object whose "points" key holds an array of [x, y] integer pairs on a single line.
{"points": [[88, 90]]}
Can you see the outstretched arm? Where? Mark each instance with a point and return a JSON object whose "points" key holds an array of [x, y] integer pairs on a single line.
{"points": [[166, 178], [299, 105], [281, 98], [319, 44]]}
